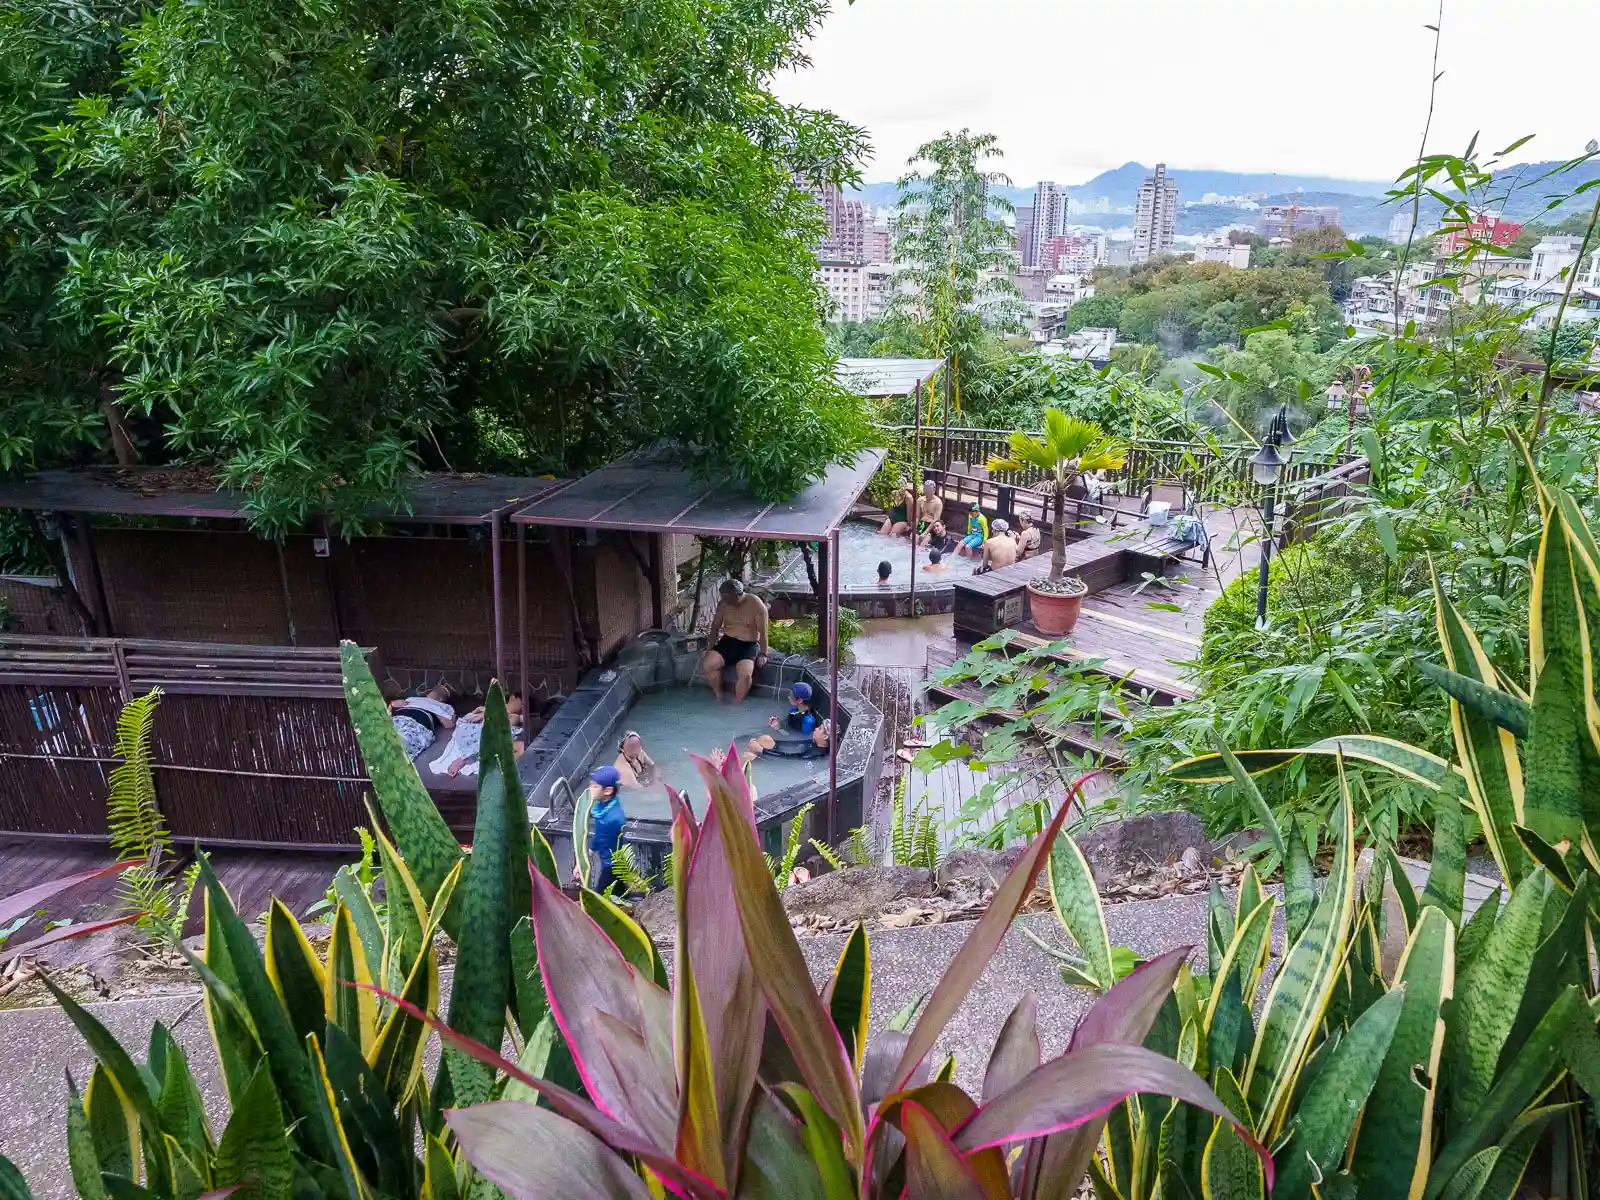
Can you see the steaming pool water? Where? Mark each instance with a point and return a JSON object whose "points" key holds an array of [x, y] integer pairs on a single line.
{"points": [[687, 720], [862, 548]]}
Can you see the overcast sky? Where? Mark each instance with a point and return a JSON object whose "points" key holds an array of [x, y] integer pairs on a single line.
{"points": [[1296, 86]]}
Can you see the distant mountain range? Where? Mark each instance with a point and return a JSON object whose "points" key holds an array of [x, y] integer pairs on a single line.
{"points": [[1361, 207]]}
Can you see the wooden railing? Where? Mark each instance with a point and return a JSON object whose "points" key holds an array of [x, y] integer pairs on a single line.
{"points": [[1216, 473]]}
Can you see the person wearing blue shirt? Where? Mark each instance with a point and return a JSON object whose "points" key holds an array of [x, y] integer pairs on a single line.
{"points": [[606, 820]]}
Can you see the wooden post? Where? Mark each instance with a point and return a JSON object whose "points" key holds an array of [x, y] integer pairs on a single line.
{"points": [[833, 690], [499, 606], [658, 607], [824, 557], [522, 625], [97, 585]]}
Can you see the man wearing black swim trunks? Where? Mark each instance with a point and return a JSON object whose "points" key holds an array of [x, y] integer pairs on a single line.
{"points": [[738, 635]]}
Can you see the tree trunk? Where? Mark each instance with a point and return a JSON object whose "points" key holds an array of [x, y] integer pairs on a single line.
{"points": [[1058, 532], [121, 440]]}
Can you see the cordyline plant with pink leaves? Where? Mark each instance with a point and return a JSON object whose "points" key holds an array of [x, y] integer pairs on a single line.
{"points": [[743, 1080]]}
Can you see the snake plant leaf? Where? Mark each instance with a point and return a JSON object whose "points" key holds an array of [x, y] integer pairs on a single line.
{"points": [[1500, 708], [113, 1124], [935, 1169], [987, 933], [1243, 958], [1561, 760], [178, 1105], [14, 1187], [188, 1177], [425, 841], [1017, 1050], [1487, 751], [1327, 1113], [1397, 1126], [582, 806], [482, 987], [1516, 1149], [1299, 894], [1228, 1168], [849, 992], [779, 966], [1409, 762], [1469, 1182], [1447, 874], [396, 1054], [369, 929], [1547, 856], [1491, 993], [625, 933], [238, 1052], [527, 986], [379, 1145], [1299, 995], [295, 971], [273, 1029], [1252, 794], [1250, 893], [1561, 959], [254, 1153], [777, 1164], [406, 910], [1219, 928], [346, 1003], [544, 858], [131, 1083], [1077, 905], [497, 747], [331, 1118], [438, 1172], [531, 1153], [1405, 891], [83, 1160], [1526, 1078], [819, 1134]]}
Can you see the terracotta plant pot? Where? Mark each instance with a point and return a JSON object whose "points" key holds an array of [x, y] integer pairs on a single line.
{"points": [[1055, 613]]}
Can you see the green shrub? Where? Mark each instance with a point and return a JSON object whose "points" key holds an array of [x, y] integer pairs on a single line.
{"points": [[798, 635]]}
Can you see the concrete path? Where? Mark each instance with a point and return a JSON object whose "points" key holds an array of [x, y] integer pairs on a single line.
{"points": [[38, 1046]]}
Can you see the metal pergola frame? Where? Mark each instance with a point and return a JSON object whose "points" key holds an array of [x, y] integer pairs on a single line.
{"points": [[651, 492]]}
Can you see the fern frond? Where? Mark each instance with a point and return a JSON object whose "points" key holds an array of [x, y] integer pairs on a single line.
{"points": [[860, 850], [625, 866], [829, 854], [791, 850], [136, 827]]}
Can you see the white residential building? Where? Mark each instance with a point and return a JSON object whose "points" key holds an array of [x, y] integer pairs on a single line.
{"points": [[1540, 292], [1155, 220], [857, 291], [1223, 251]]}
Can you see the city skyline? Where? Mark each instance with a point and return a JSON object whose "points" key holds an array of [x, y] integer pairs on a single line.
{"points": [[1239, 92]]}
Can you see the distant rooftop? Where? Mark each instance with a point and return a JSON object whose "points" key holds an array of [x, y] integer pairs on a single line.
{"points": [[886, 376], [650, 491], [439, 498]]}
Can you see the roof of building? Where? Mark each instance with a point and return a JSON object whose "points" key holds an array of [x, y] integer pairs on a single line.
{"points": [[440, 498], [886, 376], [650, 491]]}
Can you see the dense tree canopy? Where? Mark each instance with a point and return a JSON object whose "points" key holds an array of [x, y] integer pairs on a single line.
{"points": [[322, 244]]}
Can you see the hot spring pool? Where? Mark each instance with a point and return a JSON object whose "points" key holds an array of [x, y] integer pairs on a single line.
{"points": [[862, 548], [687, 720]]}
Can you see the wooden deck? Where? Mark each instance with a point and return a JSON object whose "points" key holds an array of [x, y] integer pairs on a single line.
{"points": [[252, 878]]}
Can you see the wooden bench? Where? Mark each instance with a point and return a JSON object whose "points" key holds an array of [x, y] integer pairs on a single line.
{"points": [[985, 604]]}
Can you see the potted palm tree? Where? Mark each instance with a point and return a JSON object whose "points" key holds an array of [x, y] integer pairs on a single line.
{"points": [[1070, 447]]}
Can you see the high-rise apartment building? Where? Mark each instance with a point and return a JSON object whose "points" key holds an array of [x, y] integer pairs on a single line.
{"points": [[1049, 218], [1155, 221], [1024, 236], [846, 238]]}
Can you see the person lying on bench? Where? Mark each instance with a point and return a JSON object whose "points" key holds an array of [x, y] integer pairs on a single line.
{"points": [[418, 718], [460, 755]]}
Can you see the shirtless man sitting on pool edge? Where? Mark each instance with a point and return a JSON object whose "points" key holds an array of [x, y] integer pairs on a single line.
{"points": [[739, 636]]}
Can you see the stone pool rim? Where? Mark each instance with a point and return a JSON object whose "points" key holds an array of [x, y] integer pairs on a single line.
{"points": [[596, 711]]}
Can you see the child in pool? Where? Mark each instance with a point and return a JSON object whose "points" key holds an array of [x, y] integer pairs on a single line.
{"points": [[977, 533]]}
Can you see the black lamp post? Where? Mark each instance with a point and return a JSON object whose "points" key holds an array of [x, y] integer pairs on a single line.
{"points": [[1266, 468]]}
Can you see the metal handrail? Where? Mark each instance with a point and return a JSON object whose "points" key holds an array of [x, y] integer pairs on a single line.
{"points": [[561, 785]]}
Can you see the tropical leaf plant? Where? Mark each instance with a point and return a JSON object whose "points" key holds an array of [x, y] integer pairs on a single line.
{"points": [[686, 1095]]}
